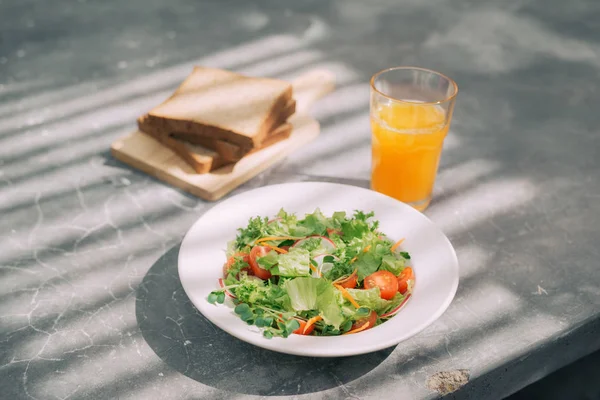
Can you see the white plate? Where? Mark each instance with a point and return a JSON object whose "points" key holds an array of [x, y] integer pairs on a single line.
{"points": [[202, 255]]}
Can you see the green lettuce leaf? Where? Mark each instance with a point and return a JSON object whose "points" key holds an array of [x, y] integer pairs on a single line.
{"points": [[338, 218], [358, 226], [287, 218], [392, 264], [282, 225], [307, 293], [366, 263], [287, 224], [381, 247], [328, 304], [394, 302], [268, 261], [316, 222], [293, 263], [314, 245], [310, 244], [370, 298], [303, 293]]}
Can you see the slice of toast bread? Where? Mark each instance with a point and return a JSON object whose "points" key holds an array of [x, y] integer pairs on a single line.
{"points": [[227, 150], [201, 159], [204, 160], [224, 105]]}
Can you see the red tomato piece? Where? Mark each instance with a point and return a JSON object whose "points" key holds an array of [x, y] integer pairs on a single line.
{"points": [[231, 260], [371, 319], [406, 275], [257, 252], [350, 282], [385, 281]]}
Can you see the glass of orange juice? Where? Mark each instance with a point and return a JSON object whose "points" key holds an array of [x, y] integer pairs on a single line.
{"points": [[411, 110]]}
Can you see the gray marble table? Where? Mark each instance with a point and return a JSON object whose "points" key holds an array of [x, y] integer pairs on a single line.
{"points": [[90, 303]]}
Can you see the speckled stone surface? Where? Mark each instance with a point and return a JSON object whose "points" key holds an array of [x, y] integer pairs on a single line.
{"points": [[90, 303]]}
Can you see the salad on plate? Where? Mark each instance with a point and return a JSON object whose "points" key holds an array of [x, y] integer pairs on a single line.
{"points": [[319, 275]]}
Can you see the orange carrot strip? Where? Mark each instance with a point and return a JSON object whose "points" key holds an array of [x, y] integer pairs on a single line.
{"points": [[277, 249], [362, 328], [347, 295], [367, 249], [310, 322], [354, 259], [269, 238], [397, 244]]}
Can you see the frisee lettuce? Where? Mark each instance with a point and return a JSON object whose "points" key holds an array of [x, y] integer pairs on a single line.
{"points": [[257, 227]]}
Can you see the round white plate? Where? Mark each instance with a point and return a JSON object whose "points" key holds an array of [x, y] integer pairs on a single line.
{"points": [[202, 255]]}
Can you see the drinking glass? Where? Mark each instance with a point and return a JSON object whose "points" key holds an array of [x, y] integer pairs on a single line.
{"points": [[411, 110]]}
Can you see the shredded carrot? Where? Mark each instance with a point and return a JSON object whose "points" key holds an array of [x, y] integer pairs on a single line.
{"points": [[312, 267], [269, 238], [277, 249], [362, 328], [397, 244], [354, 259], [347, 295], [310, 322]]}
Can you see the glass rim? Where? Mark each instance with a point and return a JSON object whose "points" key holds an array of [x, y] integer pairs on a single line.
{"points": [[383, 71]]}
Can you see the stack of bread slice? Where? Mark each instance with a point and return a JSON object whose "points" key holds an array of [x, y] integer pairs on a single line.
{"points": [[216, 117]]}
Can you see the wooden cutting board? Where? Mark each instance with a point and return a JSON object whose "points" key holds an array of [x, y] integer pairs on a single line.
{"points": [[142, 152]]}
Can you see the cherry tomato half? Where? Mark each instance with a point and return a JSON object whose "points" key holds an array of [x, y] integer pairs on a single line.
{"points": [[371, 319], [385, 281], [350, 282], [231, 260], [259, 251], [406, 275]]}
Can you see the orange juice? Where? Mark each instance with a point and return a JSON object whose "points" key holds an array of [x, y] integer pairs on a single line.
{"points": [[407, 142]]}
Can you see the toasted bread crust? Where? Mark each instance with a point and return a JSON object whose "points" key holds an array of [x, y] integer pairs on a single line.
{"points": [[208, 160], [228, 106], [231, 151]]}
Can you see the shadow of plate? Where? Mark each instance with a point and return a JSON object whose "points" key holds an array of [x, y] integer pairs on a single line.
{"points": [[184, 339]]}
